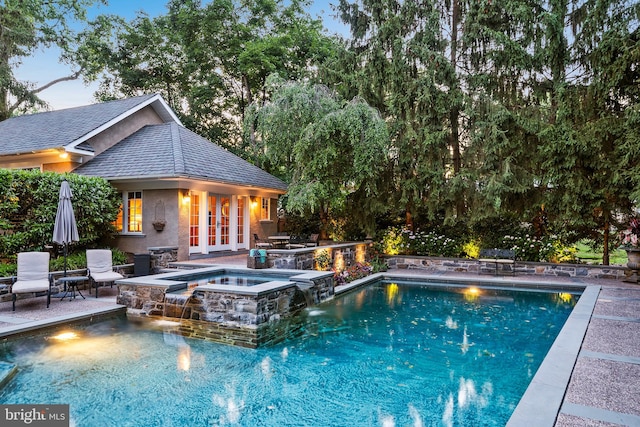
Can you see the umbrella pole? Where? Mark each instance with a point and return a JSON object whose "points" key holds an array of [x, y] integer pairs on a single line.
{"points": [[65, 260]]}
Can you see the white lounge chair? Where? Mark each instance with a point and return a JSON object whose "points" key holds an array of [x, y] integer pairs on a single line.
{"points": [[100, 268], [33, 276]]}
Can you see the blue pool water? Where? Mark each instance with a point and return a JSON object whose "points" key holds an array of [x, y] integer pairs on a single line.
{"points": [[230, 278], [237, 280], [390, 354]]}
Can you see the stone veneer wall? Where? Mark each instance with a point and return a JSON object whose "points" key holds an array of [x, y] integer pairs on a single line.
{"points": [[344, 254], [161, 256], [434, 264], [246, 320]]}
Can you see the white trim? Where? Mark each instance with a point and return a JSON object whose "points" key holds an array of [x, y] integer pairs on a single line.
{"points": [[166, 113]]}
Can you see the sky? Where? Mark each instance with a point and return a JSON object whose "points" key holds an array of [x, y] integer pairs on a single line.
{"points": [[43, 66]]}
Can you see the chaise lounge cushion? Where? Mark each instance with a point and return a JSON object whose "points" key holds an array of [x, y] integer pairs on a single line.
{"points": [[108, 276], [33, 273]]}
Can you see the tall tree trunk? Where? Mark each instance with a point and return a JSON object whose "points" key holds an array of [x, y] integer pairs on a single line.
{"points": [[605, 243], [454, 114], [324, 223]]}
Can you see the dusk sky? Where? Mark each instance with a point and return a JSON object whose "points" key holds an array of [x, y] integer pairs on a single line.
{"points": [[44, 67]]}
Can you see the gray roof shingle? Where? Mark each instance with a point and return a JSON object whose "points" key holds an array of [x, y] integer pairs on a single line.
{"points": [[56, 129], [171, 151]]}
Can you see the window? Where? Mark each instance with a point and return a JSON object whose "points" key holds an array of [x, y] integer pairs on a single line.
{"points": [[134, 212], [129, 219], [265, 209]]}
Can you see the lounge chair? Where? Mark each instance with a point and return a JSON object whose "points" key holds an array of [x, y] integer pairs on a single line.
{"points": [[33, 276], [261, 243], [100, 268]]}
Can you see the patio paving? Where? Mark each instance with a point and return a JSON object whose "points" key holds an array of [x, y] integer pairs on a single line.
{"points": [[604, 384]]}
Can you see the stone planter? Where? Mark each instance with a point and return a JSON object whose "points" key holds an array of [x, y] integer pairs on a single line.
{"points": [[159, 225], [633, 264]]}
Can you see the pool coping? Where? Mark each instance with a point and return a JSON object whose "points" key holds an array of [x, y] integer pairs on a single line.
{"points": [[174, 280], [45, 325], [543, 398]]}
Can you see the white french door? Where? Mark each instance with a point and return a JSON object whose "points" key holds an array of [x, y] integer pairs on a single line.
{"points": [[219, 222]]}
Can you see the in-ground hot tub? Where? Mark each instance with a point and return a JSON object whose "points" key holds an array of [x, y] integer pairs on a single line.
{"points": [[236, 306]]}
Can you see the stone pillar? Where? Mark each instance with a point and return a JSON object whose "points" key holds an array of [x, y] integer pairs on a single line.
{"points": [[161, 256]]}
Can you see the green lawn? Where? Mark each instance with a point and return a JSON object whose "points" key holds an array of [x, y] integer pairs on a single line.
{"points": [[587, 255]]}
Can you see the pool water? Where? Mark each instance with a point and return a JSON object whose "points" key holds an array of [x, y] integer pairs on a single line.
{"points": [[390, 354], [234, 279], [238, 280]]}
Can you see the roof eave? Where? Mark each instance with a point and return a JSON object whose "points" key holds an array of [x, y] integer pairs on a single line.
{"points": [[194, 178]]}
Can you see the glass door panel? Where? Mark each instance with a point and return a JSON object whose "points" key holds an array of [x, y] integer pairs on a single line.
{"points": [[240, 221], [194, 221], [212, 221], [225, 212], [218, 222]]}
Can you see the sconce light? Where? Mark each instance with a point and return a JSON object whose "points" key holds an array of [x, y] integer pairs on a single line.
{"points": [[254, 202], [63, 154], [186, 196]]}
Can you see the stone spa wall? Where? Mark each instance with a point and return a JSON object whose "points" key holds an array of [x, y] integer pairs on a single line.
{"points": [[247, 316]]}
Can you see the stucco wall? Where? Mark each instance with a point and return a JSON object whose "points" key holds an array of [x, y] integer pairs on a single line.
{"points": [[136, 243], [124, 128], [262, 228]]}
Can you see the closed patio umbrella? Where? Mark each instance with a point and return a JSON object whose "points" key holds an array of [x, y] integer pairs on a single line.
{"points": [[65, 229]]}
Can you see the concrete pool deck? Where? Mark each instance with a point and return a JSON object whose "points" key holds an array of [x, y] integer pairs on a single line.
{"points": [[603, 385]]}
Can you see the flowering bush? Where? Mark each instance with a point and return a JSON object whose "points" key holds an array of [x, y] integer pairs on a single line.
{"points": [[547, 248], [531, 248], [630, 236], [403, 241], [351, 273]]}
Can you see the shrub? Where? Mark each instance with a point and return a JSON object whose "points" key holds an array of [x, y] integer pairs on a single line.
{"points": [[323, 259], [531, 248], [351, 273], [398, 240], [29, 202], [378, 263]]}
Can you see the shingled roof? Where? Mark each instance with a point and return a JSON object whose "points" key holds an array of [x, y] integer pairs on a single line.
{"points": [[171, 151], [71, 126]]}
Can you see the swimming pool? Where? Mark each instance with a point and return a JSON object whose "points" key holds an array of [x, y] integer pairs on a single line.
{"points": [[388, 354]]}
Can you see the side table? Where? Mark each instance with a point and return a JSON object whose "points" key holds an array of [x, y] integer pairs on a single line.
{"points": [[71, 286]]}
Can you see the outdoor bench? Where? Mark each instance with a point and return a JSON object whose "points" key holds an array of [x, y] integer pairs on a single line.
{"points": [[499, 257]]}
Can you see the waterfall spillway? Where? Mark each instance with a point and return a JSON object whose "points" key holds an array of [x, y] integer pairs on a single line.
{"points": [[175, 305], [308, 292]]}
